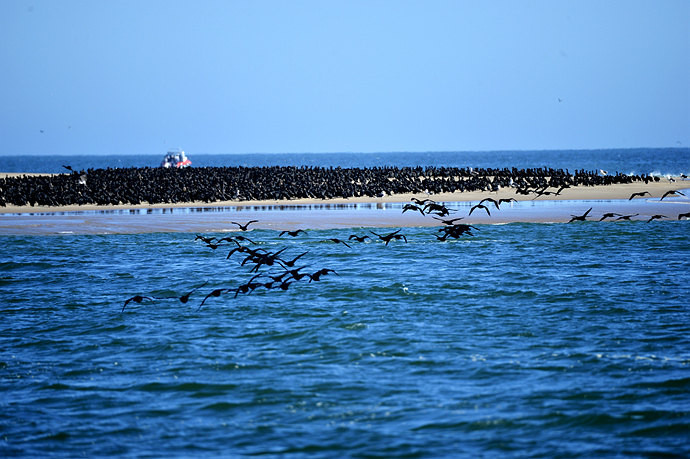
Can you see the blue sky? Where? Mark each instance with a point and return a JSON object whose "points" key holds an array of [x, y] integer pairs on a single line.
{"points": [[139, 77]]}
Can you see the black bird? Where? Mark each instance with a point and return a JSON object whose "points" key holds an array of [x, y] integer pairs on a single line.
{"points": [[480, 206], [671, 193], [627, 217], [249, 286], [339, 241], [69, 168], [236, 238], [207, 240], [184, 298], [448, 221], [686, 215], [389, 237], [136, 299], [358, 238], [560, 190], [244, 227], [640, 193], [407, 207], [580, 218], [491, 200], [292, 262], [608, 215], [292, 233], [439, 209], [656, 217], [422, 202], [502, 200], [321, 272], [215, 293], [296, 274]]}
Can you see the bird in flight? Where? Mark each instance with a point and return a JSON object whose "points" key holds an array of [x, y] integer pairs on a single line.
{"points": [[686, 215], [136, 299], [671, 193], [480, 206], [340, 241], [245, 226], [292, 233], [656, 217], [358, 238], [580, 218], [640, 194]]}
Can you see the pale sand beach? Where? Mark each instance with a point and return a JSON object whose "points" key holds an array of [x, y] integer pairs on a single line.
{"points": [[345, 213]]}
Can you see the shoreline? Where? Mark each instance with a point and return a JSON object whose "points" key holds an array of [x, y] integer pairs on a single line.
{"points": [[315, 214], [580, 193]]}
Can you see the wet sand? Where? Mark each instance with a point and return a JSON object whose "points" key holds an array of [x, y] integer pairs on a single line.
{"points": [[343, 213]]}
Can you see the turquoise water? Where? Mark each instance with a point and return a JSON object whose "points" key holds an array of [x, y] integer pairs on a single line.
{"points": [[523, 340]]}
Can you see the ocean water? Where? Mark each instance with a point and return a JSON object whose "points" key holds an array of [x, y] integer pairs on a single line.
{"points": [[541, 340], [523, 340]]}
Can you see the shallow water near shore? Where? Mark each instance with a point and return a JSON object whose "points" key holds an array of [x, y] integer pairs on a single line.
{"points": [[526, 339]]}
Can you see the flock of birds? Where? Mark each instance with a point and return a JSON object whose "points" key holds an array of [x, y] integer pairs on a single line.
{"points": [[281, 271]]}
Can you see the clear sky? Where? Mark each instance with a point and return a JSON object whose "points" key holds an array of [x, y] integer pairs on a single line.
{"points": [[139, 77]]}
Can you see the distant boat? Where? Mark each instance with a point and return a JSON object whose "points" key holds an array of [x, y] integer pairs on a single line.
{"points": [[176, 158]]}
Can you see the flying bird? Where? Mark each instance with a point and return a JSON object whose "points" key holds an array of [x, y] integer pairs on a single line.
{"points": [[339, 241], [608, 215], [136, 299], [640, 193], [292, 233], [358, 238], [671, 193], [244, 227], [448, 221], [656, 217], [580, 218], [686, 215], [480, 206]]}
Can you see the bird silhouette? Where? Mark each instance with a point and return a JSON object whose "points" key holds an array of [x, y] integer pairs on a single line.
{"points": [[685, 215], [389, 237], [480, 206], [136, 299], [291, 263], [608, 215], [207, 240], [69, 168], [214, 293], [413, 207], [656, 217], [340, 241], [580, 218], [321, 272], [246, 225], [292, 233], [671, 193], [450, 221], [358, 238], [627, 217], [639, 193]]}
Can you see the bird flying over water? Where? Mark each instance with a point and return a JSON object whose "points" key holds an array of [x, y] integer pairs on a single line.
{"points": [[480, 206], [292, 233], [136, 299], [641, 193], [244, 227], [671, 193], [656, 217], [580, 218], [339, 241]]}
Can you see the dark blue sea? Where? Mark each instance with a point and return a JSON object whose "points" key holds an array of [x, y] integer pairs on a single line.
{"points": [[522, 340]]}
